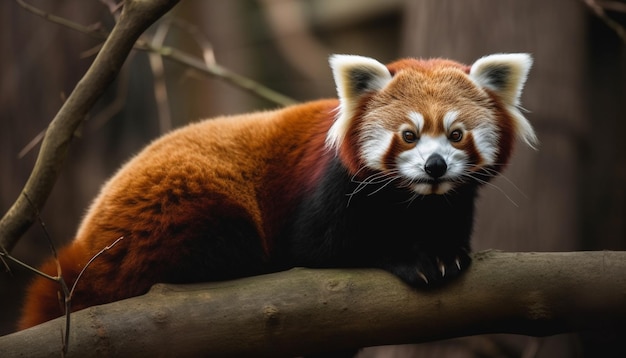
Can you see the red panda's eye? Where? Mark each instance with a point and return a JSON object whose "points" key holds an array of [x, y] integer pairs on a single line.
{"points": [[456, 135], [409, 136]]}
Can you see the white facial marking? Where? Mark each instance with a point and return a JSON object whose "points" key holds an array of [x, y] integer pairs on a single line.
{"points": [[417, 119], [485, 136], [411, 162], [448, 120], [377, 141], [486, 141], [428, 146]]}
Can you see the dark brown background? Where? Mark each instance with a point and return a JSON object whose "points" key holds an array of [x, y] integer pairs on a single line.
{"points": [[568, 195]]}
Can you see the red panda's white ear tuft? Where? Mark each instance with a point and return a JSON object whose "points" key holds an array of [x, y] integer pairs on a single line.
{"points": [[505, 75], [354, 77]]}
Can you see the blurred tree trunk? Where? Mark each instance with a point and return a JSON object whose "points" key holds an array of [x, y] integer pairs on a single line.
{"points": [[565, 203], [547, 219]]}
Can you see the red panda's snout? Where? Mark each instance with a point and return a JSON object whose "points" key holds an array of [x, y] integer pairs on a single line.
{"points": [[435, 166]]}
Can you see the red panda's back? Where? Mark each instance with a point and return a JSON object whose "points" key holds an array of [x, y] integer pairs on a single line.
{"points": [[208, 180]]}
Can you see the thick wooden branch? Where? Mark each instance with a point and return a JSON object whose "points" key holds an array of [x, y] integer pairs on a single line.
{"points": [[136, 16], [304, 310]]}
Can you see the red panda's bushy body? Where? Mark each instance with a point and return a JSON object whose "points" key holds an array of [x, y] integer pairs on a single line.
{"points": [[385, 177]]}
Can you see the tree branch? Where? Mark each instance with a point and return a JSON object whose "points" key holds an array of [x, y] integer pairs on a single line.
{"points": [[598, 9], [305, 311], [136, 16], [205, 67]]}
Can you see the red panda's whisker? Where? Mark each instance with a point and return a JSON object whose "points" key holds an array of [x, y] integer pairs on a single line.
{"points": [[494, 172], [413, 197], [484, 182], [378, 178], [353, 178], [384, 185]]}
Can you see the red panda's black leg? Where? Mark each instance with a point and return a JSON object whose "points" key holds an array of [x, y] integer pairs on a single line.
{"points": [[429, 269], [424, 242], [438, 250]]}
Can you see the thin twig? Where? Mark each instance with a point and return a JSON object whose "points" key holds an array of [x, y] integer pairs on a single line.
{"points": [[7, 268], [59, 277], [613, 5], [32, 144], [114, 8], [106, 248], [136, 17], [199, 37], [158, 73], [600, 13], [67, 293], [43, 227], [95, 31], [5, 255], [218, 71], [70, 293], [205, 67]]}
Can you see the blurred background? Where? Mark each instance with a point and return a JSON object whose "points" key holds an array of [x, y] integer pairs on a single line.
{"points": [[569, 195]]}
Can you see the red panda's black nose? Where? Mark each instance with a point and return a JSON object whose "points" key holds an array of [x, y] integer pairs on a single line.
{"points": [[435, 166]]}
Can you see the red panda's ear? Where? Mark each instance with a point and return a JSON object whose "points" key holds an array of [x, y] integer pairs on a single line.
{"points": [[505, 75], [354, 77]]}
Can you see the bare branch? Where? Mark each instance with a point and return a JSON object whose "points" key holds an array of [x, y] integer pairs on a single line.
{"points": [[220, 72], [94, 30], [199, 37], [158, 73], [32, 144], [6, 256], [207, 67], [114, 7], [136, 17], [598, 9], [612, 5], [67, 292], [156, 49], [80, 274]]}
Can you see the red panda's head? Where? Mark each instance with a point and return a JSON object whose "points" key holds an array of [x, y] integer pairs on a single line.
{"points": [[430, 125]]}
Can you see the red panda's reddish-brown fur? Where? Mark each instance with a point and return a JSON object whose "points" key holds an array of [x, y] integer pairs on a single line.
{"points": [[255, 193], [432, 69], [205, 182]]}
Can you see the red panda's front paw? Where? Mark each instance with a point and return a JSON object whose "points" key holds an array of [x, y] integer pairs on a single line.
{"points": [[432, 269]]}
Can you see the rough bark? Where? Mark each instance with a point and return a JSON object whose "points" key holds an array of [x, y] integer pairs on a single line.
{"points": [[304, 310]]}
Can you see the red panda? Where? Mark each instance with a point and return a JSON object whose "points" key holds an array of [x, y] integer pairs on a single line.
{"points": [[385, 176]]}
